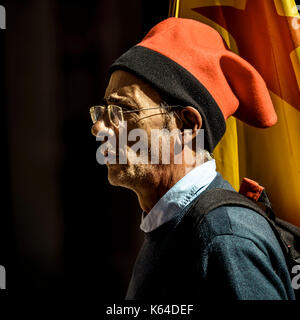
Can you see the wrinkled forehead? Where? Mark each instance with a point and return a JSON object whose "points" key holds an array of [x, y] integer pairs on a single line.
{"points": [[125, 84]]}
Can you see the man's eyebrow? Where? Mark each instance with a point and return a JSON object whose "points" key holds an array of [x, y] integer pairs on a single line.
{"points": [[112, 100], [121, 101]]}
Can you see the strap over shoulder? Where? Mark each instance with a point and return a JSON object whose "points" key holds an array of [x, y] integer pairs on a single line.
{"points": [[217, 197]]}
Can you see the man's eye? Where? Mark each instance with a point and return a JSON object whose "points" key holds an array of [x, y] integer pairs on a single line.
{"points": [[125, 107]]}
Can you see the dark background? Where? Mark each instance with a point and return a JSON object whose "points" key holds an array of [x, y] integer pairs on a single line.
{"points": [[63, 227]]}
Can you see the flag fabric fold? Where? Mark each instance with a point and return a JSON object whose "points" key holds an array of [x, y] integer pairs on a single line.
{"points": [[266, 33]]}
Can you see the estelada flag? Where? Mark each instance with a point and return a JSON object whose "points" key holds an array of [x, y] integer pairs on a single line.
{"points": [[266, 33]]}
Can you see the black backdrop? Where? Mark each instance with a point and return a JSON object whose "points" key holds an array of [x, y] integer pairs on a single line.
{"points": [[63, 227]]}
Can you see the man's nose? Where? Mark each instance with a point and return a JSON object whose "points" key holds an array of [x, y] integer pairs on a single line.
{"points": [[99, 126], [103, 132], [96, 128]]}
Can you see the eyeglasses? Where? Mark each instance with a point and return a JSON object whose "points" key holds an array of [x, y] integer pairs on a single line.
{"points": [[115, 113]]}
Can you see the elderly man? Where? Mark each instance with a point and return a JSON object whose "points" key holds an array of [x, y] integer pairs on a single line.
{"points": [[181, 76]]}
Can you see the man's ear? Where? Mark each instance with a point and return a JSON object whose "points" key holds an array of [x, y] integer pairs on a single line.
{"points": [[191, 119]]}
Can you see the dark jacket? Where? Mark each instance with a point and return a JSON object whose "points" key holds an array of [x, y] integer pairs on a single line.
{"points": [[231, 254]]}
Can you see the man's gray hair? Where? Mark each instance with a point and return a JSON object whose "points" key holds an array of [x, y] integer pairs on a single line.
{"points": [[171, 115]]}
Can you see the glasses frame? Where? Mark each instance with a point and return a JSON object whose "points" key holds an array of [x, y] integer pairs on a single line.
{"points": [[122, 111], [104, 108]]}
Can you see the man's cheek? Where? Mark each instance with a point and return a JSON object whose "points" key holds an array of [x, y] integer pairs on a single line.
{"points": [[138, 150]]}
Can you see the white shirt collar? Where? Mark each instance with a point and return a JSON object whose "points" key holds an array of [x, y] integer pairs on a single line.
{"points": [[179, 196]]}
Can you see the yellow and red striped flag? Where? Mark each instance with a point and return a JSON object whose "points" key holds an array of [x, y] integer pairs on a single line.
{"points": [[267, 34]]}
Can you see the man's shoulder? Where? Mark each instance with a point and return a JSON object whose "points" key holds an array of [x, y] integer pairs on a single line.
{"points": [[237, 222], [228, 223]]}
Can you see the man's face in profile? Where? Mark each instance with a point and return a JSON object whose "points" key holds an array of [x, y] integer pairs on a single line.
{"points": [[131, 93]]}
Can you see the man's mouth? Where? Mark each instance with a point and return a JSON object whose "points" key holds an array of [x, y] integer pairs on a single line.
{"points": [[111, 153]]}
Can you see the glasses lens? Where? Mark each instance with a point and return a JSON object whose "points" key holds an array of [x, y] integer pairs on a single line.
{"points": [[116, 115], [96, 112]]}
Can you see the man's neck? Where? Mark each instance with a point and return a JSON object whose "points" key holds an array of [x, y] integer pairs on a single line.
{"points": [[149, 193]]}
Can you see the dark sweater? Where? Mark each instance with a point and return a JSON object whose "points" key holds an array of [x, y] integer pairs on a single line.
{"points": [[231, 254]]}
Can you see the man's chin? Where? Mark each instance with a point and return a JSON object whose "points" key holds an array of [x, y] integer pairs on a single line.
{"points": [[116, 174]]}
